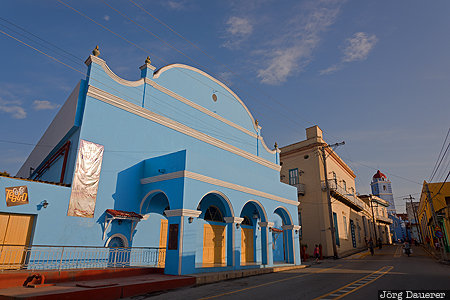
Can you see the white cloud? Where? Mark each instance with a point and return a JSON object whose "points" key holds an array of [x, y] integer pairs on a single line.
{"points": [[331, 69], [358, 46], [106, 18], [44, 105], [239, 26], [299, 41], [226, 77], [176, 5], [13, 108], [238, 29]]}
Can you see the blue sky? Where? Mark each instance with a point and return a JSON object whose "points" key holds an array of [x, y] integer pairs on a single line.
{"points": [[373, 73]]}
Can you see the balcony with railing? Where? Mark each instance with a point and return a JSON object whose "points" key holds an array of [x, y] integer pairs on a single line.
{"points": [[383, 219], [341, 194], [33, 257], [300, 188]]}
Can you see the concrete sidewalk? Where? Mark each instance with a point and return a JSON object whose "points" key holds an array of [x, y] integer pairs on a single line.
{"points": [[109, 284], [114, 288]]}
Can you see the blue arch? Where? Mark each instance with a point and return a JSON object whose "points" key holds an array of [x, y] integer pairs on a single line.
{"points": [[252, 205], [284, 215]]}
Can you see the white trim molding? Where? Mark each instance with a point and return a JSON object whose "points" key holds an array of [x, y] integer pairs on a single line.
{"points": [[94, 59], [102, 63], [181, 66], [233, 220], [183, 212], [169, 123], [218, 182], [266, 224], [287, 227], [199, 107]]}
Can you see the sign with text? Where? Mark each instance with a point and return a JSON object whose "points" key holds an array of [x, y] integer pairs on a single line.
{"points": [[16, 195]]}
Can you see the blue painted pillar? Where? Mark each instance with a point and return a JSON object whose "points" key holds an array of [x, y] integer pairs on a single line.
{"points": [[181, 260], [146, 72], [266, 236], [234, 241], [297, 257]]}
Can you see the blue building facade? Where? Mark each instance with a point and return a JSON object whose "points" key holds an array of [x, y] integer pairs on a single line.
{"points": [[382, 188], [182, 159]]}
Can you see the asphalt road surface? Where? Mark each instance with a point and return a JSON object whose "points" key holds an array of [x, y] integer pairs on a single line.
{"points": [[357, 277]]}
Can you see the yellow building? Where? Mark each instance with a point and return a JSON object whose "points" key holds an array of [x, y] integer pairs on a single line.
{"points": [[440, 194], [302, 167]]}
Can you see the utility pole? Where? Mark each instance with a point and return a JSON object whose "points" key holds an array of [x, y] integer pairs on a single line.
{"points": [[415, 217], [374, 222], [435, 223], [330, 211]]}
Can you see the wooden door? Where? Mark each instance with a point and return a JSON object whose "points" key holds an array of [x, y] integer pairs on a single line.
{"points": [[14, 230], [162, 243], [213, 244], [247, 245]]}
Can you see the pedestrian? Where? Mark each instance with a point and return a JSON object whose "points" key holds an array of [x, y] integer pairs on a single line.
{"points": [[436, 244], [316, 253], [371, 246], [407, 248]]}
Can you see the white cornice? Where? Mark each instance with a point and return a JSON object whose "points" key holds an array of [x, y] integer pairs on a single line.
{"points": [[198, 107], [218, 182], [102, 63], [183, 212], [181, 66], [233, 220], [115, 77], [266, 224], [149, 115]]}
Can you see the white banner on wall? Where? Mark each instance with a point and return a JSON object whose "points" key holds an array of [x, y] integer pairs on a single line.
{"points": [[85, 180]]}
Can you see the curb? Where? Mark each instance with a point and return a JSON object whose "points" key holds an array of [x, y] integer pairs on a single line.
{"points": [[206, 278]]}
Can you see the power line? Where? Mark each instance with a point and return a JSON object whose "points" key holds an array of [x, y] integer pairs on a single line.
{"points": [[436, 166], [230, 137], [443, 183], [229, 69]]}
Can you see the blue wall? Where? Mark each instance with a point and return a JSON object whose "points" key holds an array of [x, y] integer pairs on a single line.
{"points": [[136, 148]]}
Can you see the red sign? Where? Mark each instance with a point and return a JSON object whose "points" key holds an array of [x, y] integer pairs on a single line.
{"points": [[16, 195]]}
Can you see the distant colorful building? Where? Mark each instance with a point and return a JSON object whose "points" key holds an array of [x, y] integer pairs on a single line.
{"points": [[174, 160], [382, 188]]}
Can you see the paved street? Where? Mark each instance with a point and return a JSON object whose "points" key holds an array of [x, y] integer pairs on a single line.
{"points": [[357, 277]]}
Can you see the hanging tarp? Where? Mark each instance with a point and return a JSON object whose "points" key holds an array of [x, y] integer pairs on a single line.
{"points": [[85, 180]]}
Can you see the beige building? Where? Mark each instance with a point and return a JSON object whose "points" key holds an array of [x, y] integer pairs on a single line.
{"points": [[378, 215], [302, 167]]}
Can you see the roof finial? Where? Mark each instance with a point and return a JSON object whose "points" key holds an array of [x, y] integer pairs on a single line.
{"points": [[96, 52], [276, 145], [148, 61], [256, 122]]}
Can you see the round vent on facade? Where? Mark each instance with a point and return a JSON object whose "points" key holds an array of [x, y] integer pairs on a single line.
{"points": [[214, 97]]}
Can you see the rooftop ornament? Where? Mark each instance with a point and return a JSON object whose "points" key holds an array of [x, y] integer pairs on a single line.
{"points": [[96, 52], [147, 60]]}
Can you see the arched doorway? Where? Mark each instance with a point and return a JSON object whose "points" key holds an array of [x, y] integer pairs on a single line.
{"points": [[282, 239], [214, 208], [253, 238], [153, 208]]}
